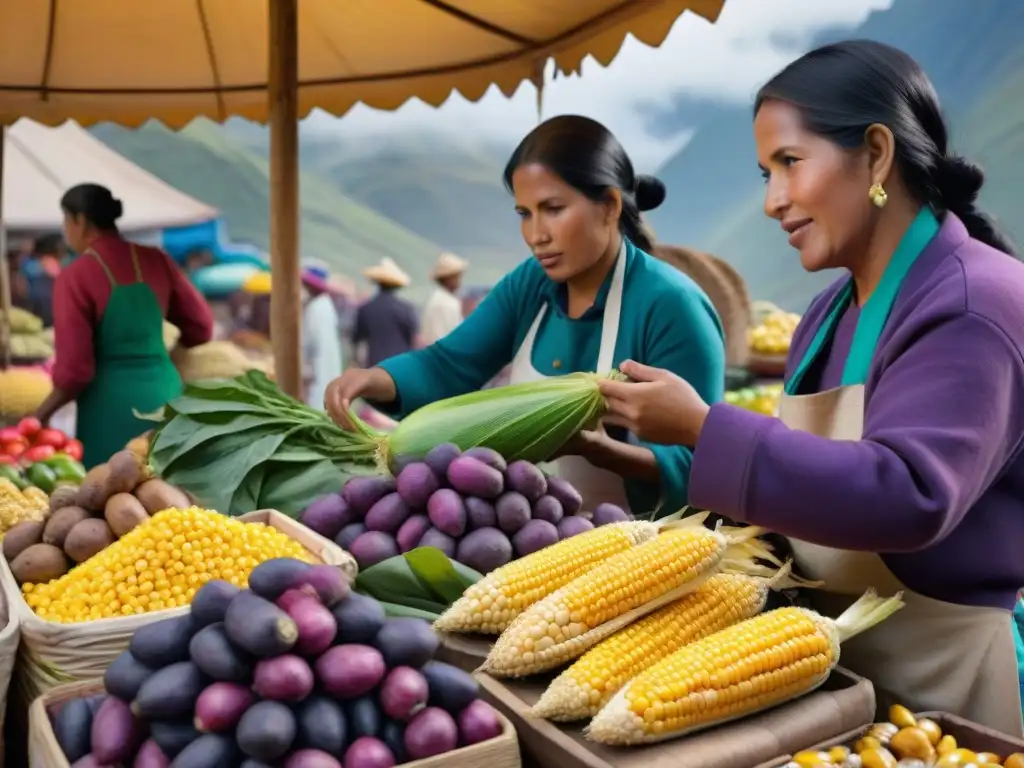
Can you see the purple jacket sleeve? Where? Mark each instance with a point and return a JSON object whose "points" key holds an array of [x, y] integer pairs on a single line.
{"points": [[943, 421]]}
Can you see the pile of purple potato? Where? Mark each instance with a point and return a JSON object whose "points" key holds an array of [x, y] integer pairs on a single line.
{"points": [[472, 506], [294, 672]]}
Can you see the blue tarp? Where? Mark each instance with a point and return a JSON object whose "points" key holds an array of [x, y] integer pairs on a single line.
{"points": [[211, 236]]}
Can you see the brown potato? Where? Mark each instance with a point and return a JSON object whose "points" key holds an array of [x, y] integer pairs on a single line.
{"points": [[93, 493], [20, 537], [61, 522], [39, 564], [87, 538], [63, 496], [123, 512], [125, 473], [156, 496]]}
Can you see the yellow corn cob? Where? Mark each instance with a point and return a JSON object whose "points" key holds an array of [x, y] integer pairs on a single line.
{"points": [[624, 587], [723, 600], [491, 604], [748, 667]]}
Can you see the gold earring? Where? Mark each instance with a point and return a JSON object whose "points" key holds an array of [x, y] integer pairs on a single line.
{"points": [[878, 195]]}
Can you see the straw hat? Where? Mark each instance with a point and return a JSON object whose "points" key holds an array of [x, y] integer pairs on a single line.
{"points": [[257, 284], [315, 278], [387, 273], [448, 265]]}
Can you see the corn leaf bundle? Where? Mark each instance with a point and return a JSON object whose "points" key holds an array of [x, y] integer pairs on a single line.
{"points": [[241, 444], [529, 421]]}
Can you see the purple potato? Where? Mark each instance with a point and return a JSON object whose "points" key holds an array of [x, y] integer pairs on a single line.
{"points": [[311, 758], [283, 678], [327, 515], [388, 514], [348, 534], [368, 752], [473, 477], [403, 693], [373, 547], [571, 525], [435, 538], [548, 508], [447, 512], [349, 671], [527, 479], [361, 493], [416, 483], [608, 513], [431, 732], [441, 456], [569, 497], [488, 456], [513, 511], [480, 513], [411, 532], [478, 722], [535, 535], [484, 550]]}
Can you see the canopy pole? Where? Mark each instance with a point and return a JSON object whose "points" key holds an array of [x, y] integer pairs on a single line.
{"points": [[5, 269], [286, 290]]}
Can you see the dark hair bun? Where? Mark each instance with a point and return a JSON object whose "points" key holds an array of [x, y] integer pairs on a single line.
{"points": [[959, 181], [116, 209], [650, 192]]}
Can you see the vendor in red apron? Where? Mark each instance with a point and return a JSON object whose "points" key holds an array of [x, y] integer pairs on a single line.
{"points": [[108, 311], [896, 460], [590, 297]]}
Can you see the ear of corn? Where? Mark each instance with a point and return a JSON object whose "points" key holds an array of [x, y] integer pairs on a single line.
{"points": [[490, 605], [723, 600], [620, 590], [746, 668], [528, 421]]}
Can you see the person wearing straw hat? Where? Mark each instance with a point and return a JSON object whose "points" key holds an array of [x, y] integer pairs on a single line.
{"points": [[589, 297], [443, 311], [321, 340], [386, 324]]}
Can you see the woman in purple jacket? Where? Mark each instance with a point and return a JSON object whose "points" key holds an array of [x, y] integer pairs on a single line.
{"points": [[896, 461]]}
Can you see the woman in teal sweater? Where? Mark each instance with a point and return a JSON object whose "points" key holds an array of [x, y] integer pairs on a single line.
{"points": [[590, 297]]}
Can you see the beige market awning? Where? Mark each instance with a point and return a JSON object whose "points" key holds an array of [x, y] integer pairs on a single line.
{"points": [[127, 62], [41, 163]]}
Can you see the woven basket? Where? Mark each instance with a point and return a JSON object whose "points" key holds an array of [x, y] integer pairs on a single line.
{"points": [[53, 654], [732, 305]]}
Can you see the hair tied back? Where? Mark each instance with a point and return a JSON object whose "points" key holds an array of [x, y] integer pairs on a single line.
{"points": [[650, 192]]}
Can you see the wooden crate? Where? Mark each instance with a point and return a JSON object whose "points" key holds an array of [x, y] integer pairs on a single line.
{"points": [[845, 702], [44, 752]]}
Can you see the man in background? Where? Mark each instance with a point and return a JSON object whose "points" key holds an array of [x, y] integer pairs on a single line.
{"points": [[443, 311], [386, 324]]}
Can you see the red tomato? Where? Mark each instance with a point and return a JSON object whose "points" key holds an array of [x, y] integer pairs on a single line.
{"points": [[10, 435], [29, 426], [50, 437], [39, 452], [14, 448], [5, 459], [73, 448]]}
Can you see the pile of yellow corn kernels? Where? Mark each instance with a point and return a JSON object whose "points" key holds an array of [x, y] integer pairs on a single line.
{"points": [[160, 564]]}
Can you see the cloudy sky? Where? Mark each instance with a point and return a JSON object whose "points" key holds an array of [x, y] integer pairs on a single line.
{"points": [[726, 61]]}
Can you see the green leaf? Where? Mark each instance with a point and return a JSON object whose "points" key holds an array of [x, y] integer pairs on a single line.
{"points": [[436, 572], [393, 576], [183, 435], [402, 611], [214, 481], [290, 487]]}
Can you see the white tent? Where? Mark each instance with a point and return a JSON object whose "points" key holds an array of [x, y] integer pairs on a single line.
{"points": [[41, 163]]}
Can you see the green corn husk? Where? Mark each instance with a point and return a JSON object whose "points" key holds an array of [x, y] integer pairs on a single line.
{"points": [[529, 421]]}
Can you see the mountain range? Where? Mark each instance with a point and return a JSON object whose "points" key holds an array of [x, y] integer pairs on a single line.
{"points": [[411, 196]]}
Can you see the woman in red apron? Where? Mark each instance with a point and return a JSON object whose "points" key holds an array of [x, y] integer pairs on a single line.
{"points": [[109, 307], [896, 460]]}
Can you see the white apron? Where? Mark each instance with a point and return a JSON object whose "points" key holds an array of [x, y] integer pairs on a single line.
{"points": [[596, 485], [931, 655]]}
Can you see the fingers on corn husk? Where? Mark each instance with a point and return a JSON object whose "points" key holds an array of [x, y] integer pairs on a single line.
{"points": [[721, 601], [751, 666], [620, 590]]}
